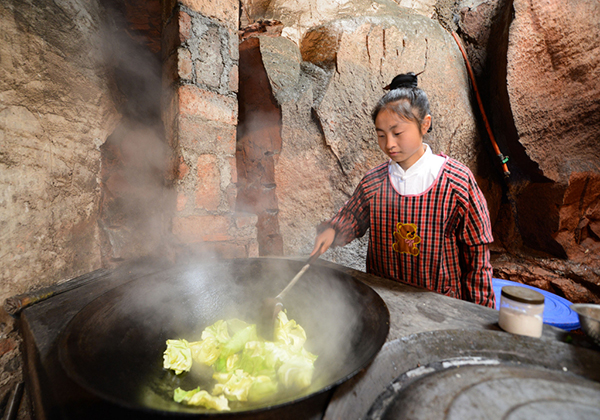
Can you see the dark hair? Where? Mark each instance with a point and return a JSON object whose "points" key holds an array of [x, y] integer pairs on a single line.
{"points": [[405, 99]]}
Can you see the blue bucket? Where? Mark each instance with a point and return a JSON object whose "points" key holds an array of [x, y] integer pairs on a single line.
{"points": [[557, 310]]}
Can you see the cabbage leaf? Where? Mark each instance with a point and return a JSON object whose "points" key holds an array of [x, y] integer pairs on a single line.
{"points": [[245, 367], [234, 385], [289, 332], [201, 398], [296, 372], [239, 340], [177, 356], [217, 331], [206, 351]]}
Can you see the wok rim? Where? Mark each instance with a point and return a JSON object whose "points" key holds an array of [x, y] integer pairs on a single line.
{"points": [[71, 370]]}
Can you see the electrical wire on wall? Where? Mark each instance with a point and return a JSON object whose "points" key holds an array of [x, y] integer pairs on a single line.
{"points": [[503, 159]]}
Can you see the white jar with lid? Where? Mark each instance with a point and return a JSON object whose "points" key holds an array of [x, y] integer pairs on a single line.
{"points": [[521, 311]]}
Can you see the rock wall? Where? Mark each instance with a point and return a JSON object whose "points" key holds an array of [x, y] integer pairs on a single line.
{"points": [[56, 110], [327, 132], [136, 200], [537, 68], [60, 101], [518, 50], [553, 70], [258, 144], [552, 81]]}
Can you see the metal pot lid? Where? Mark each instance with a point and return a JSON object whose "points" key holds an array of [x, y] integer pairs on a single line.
{"points": [[468, 388], [473, 374]]}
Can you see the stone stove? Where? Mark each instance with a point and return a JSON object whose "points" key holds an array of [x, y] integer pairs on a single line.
{"points": [[445, 353], [460, 374]]}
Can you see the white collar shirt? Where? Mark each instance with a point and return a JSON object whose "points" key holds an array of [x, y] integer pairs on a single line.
{"points": [[419, 177]]}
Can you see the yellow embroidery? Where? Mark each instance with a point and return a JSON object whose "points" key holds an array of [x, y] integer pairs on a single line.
{"points": [[406, 239]]}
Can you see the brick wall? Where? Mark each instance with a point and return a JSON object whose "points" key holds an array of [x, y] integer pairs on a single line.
{"points": [[200, 113]]}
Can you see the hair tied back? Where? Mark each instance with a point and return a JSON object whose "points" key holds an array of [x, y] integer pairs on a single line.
{"points": [[406, 80]]}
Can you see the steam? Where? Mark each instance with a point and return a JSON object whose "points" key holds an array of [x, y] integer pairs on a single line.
{"points": [[136, 211], [137, 203], [185, 300]]}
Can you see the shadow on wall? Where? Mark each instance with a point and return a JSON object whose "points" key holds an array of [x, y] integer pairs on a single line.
{"points": [[258, 144]]}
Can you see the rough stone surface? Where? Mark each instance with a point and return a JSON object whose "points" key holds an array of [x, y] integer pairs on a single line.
{"points": [[553, 80], [56, 110], [327, 131], [226, 12], [300, 16], [303, 171], [209, 65], [225, 236], [194, 101], [423, 7], [478, 21], [578, 283], [201, 115], [579, 229], [208, 190], [537, 205], [207, 228], [529, 69]]}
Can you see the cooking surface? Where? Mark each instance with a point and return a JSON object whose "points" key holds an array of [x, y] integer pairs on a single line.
{"points": [[458, 374], [55, 396], [114, 345]]}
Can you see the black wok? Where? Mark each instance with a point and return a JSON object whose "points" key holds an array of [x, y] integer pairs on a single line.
{"points": [[113, 347]]}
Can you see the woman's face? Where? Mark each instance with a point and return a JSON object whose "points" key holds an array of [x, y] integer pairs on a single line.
{"points": [[399, 138]]}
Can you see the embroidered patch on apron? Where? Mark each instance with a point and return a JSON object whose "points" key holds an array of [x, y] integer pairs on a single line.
{"points": [[406, 239]]}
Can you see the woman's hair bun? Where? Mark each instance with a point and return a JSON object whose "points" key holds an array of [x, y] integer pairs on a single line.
{"points": [[406, 80]]}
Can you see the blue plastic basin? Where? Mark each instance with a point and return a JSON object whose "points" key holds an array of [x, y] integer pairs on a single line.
{"points": [[557, 310]]}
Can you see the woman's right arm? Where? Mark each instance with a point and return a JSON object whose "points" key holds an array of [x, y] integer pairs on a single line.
{"points": [[351, 222]]}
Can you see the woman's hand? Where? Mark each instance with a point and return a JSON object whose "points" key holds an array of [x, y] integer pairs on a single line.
{"points": [[323, 241]]}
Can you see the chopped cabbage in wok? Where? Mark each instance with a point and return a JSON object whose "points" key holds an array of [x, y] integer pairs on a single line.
{"points": [[239, 340], [178, 356], [201, 398], [206, 351], [290, 333], [241, 386], [245, 367], [217, 331], [296, 372]]}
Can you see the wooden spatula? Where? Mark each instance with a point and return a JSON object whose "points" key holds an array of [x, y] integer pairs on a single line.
{"points": [[272, 306]]}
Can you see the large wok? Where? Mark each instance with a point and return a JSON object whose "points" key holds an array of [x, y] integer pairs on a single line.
{"points": [[113, 347]]}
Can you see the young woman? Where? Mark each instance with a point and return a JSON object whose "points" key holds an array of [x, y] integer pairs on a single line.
{"points": [[428, 220]]}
